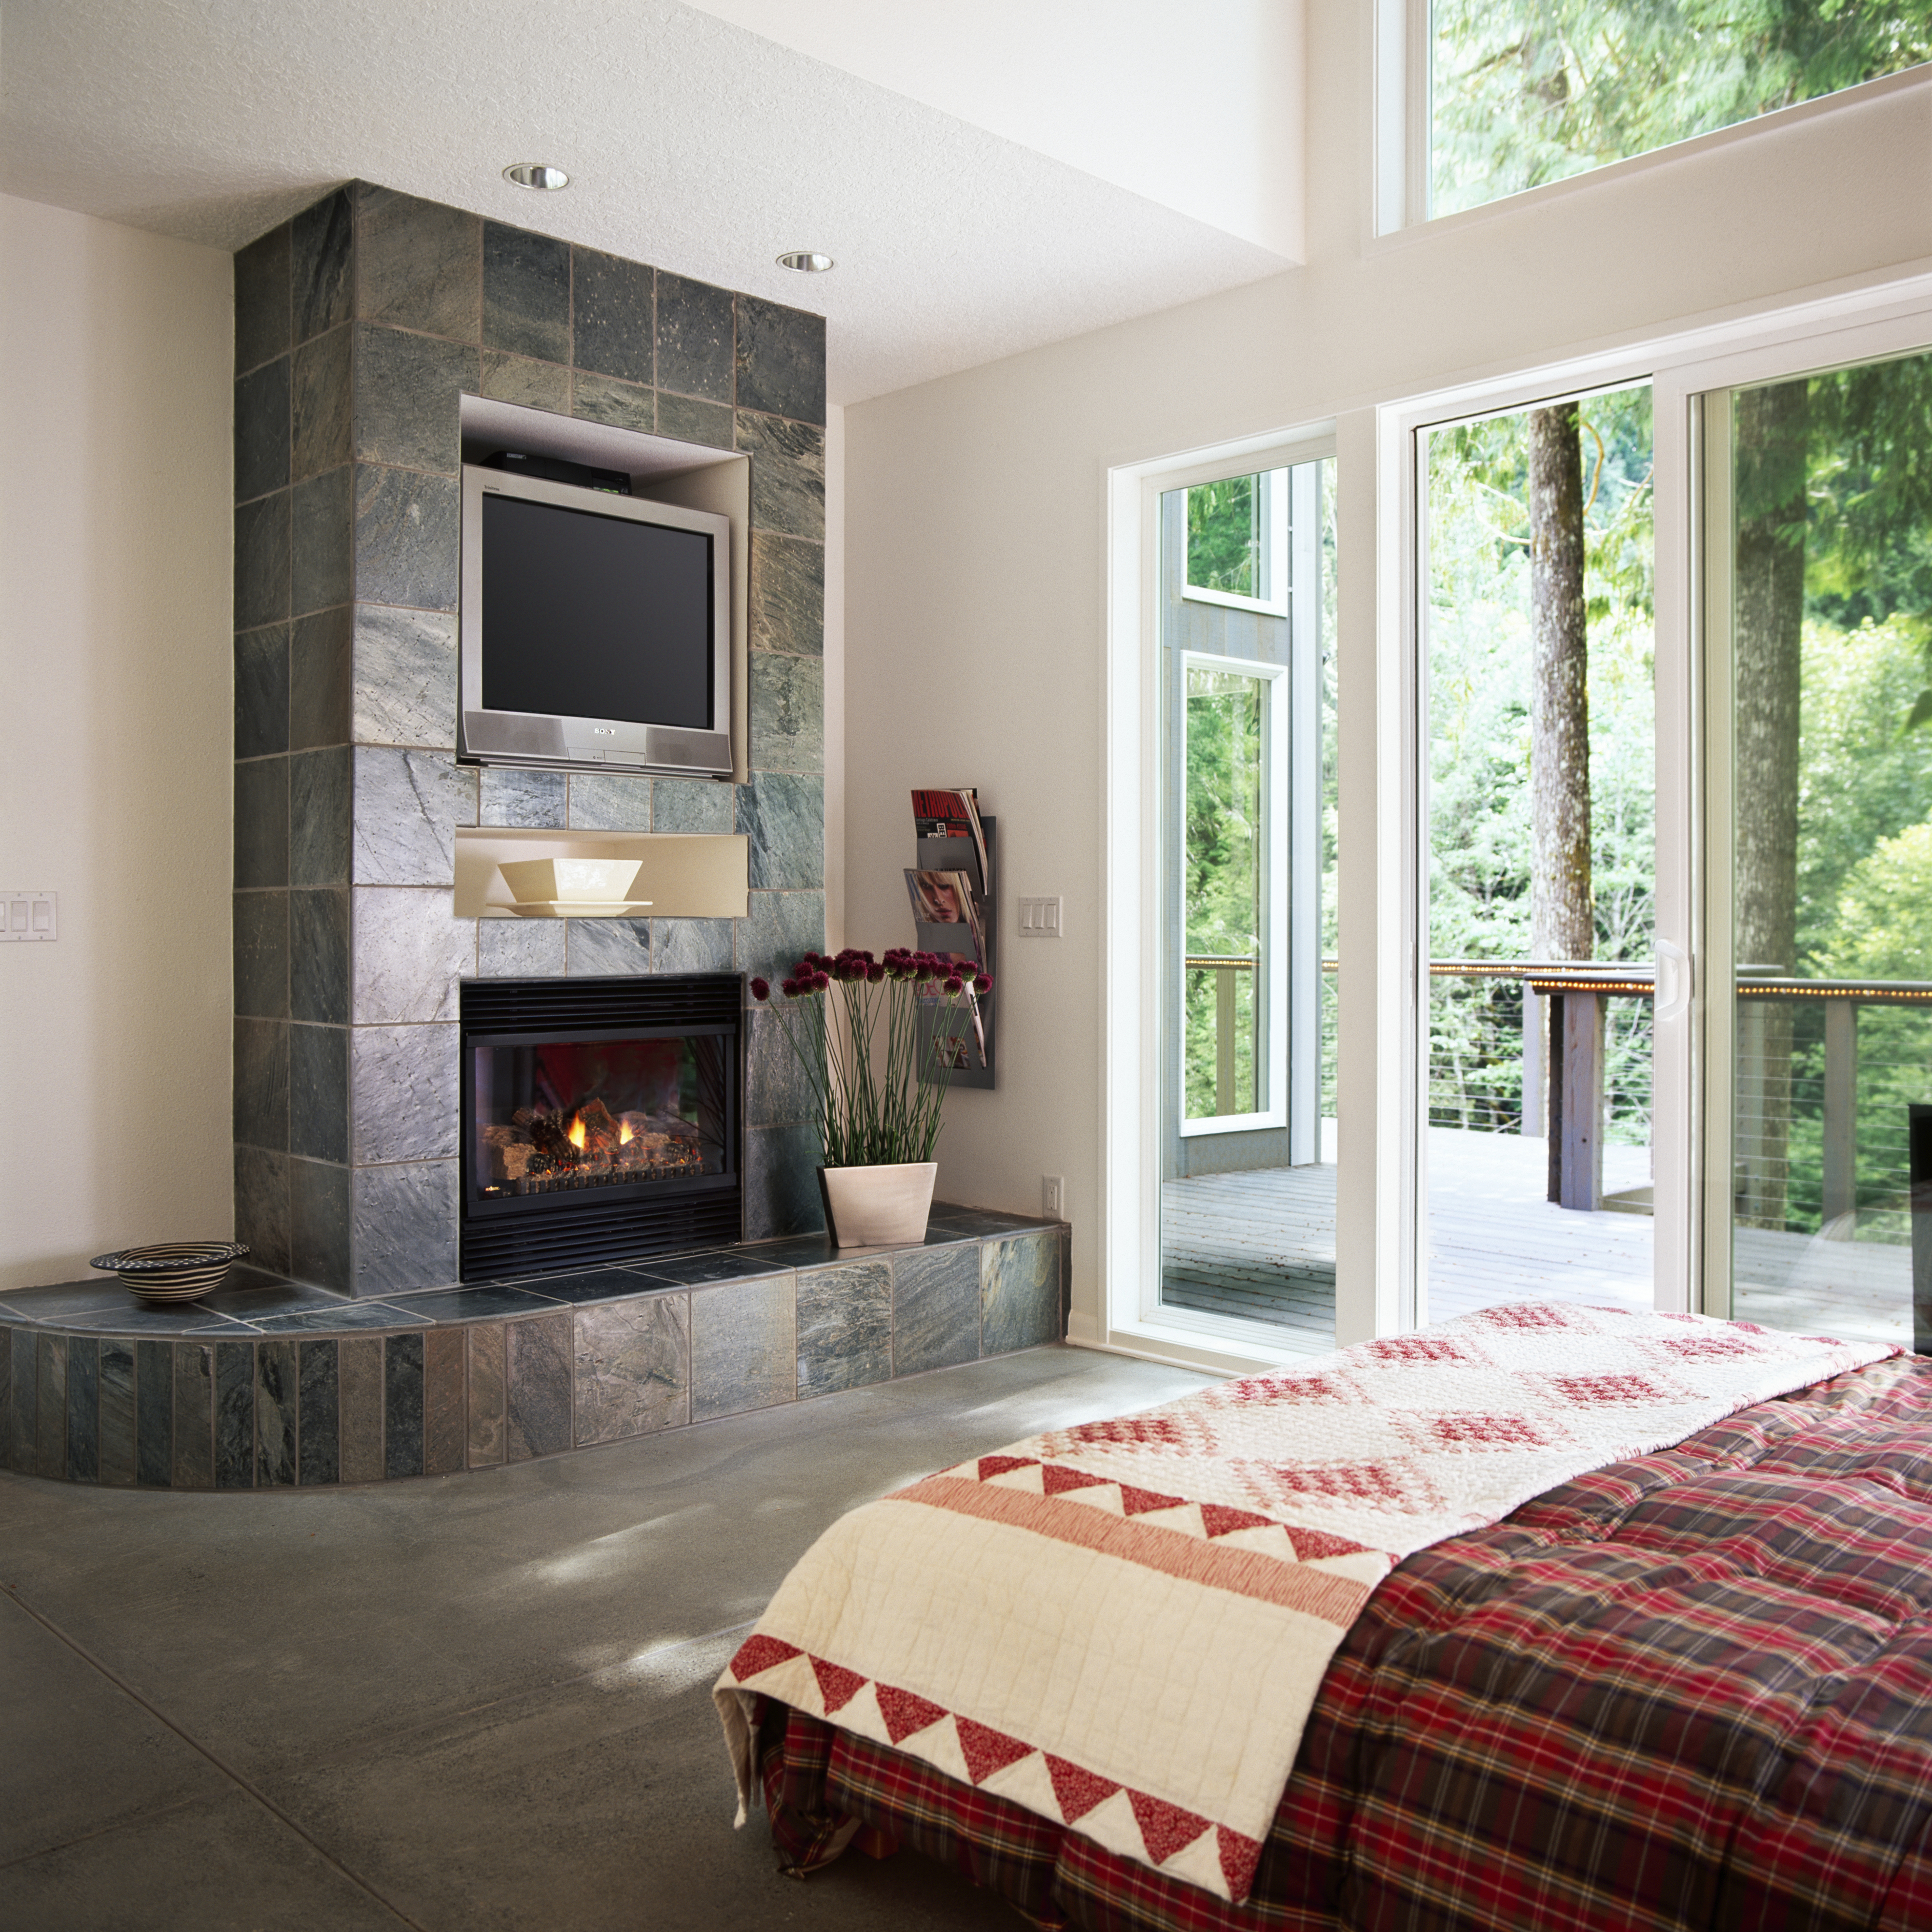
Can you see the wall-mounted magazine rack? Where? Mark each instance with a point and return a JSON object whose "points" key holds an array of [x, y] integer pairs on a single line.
{"points": [[952, 887]]}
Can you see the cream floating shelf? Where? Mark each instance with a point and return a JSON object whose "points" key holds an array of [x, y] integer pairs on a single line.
{"points": [[672, 874]]}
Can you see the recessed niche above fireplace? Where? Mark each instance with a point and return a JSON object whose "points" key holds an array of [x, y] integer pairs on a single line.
{"points": [[601, 1120]]}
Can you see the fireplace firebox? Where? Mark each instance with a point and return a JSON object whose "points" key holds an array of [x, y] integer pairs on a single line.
{"points": [[602, 1119]]}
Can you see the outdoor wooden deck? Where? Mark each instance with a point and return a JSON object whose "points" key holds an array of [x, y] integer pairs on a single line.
{"points": [[1262, 1245]]}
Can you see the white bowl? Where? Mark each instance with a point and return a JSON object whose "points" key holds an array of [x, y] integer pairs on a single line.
{"points": [[547, 881]]}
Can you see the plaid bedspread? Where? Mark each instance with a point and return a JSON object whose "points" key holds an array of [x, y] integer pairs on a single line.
{"points": [[1691, 1690]]}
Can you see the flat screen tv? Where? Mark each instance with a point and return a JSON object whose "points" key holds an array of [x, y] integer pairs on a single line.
{"points": [[596, 630]]}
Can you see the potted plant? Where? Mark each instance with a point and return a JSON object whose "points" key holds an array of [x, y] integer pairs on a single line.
{"points": [[876, 1040]]}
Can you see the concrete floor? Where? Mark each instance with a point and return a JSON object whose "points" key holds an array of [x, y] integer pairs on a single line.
{"points": [[481, 1701]]}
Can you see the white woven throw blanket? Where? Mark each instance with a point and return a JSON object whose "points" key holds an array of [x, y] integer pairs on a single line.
{"points": [[1122, 1626]]}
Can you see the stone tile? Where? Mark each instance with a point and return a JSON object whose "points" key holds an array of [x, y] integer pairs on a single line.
{"points": [[520, 949], [633, 1367], [692, 805], [234, 1415], [404, 1223], [406, 392], [402, 1405], [318, 808], [117, 1413], [403, 677], [409, 952], [193, 1448], [83, 1410], [695, 334], [154, 1413], [609, 801], [261, 1076], [321, 409], [743, 1346], [408, 538], [935, 1307], [597, 1284], [1019, 1292], [485, 1344], [780, 354], [363, 1313], [320, 1404], [135, 1319], [318, 1096], [978, 1221], [403, 1089], [261, 932], [602, 946], [262, 299], [419, 265], [787, 713], [787, 595], [408, 806], [261, 823], [535, 385], [319, 1219], [494, 1298], [276, 1399], [692, 945], [319, 957], [611, 315], [782, 1182], [359, 1377], [506, 796], [781, 926], [322, 252], [318, 679], [689, 420], [261, 429], [709, 1266], [845, 1326], [19, 1402], [262, 561], [603, 399], [777, 1090], [540, 1357], [262, 1205], [262, 691], [526, 293], [444, 1424], [783, 814], [249, 1294], [50, 1425], [787, 475], [321, 571]]}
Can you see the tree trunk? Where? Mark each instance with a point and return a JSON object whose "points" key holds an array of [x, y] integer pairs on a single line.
{"points": [[1772, 427], [1561, 914]]}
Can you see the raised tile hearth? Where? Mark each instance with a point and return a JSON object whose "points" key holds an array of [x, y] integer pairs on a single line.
{"points": [[268, 1383]]}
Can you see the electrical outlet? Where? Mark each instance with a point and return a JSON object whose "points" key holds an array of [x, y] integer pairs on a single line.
{"points": [[29, 916], [1053, 1196], [1039, 918]]}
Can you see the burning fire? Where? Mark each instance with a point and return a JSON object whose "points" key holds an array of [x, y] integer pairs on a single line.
{"points": [[577, 1135], [623, 1131]]}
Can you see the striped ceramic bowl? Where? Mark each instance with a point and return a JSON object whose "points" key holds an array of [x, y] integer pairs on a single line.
{"points": [[173, 1271]]}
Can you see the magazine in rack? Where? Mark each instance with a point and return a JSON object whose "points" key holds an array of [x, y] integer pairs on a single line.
{"points": [[950, 889]]}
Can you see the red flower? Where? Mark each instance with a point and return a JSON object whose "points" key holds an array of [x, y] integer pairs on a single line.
{"points": [[983, 984], [954, 986], [791, 989], [761, 989]]}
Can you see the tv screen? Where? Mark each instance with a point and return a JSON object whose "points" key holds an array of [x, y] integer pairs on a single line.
{"points": [[595, 617]]}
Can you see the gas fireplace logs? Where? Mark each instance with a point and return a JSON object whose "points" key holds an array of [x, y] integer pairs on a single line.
{"points": [[543, 1152]]}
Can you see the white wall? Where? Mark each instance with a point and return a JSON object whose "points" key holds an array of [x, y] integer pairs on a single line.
{"points": [[115, 690], [975, 505]]}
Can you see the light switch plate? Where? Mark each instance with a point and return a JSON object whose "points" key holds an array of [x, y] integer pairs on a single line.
{"points": [[29, 916], [1039, 918]]}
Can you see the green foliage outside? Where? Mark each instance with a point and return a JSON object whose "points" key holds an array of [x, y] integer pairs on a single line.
{"points": [[1224, 536], [1526, 91]]}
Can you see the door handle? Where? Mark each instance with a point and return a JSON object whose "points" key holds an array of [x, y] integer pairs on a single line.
{"points": [[1673, 997]]}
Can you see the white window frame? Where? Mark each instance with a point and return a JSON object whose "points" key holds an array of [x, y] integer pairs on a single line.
{"points": [[1273, 1055], [1274, 555]]}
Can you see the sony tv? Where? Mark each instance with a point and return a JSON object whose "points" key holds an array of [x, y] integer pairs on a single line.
{"points": [[596, 630]]}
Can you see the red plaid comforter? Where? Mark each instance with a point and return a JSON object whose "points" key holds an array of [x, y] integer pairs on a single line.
{"points": [[1693, 1689]]}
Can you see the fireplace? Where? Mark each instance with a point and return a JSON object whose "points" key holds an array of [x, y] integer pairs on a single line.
{"points": [[601, 1120]]}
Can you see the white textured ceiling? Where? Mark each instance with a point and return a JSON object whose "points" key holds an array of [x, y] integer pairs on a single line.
{"points": [[692, 143]]}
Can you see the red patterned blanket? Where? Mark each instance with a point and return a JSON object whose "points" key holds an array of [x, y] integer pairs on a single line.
{"points": [[1691, 1690]]}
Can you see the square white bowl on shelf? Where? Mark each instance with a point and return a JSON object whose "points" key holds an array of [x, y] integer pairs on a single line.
{"points": [[573, 888]]}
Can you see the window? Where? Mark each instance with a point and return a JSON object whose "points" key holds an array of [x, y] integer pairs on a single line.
{"points": [[1506, 95]]}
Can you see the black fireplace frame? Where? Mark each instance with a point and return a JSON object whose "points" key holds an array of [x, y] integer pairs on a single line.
{"points": [[546, 1233]]}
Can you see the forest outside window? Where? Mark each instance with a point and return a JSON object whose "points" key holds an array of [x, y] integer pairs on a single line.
{"points": [[1507, 95]]}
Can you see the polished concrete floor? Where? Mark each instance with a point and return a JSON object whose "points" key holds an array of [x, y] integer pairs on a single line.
{"points": [[477, 1701]]}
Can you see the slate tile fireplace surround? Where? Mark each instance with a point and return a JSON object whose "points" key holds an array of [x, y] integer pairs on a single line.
{"points": [[358, 325]]}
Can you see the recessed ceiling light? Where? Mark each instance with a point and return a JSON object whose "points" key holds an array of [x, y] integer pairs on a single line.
{"points": [[805, 261], [536, 174]]}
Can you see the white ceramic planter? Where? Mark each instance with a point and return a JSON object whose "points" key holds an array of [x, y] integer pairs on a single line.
{"points": [[878, 1207]]}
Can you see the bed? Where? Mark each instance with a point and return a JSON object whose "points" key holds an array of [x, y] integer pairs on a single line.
{"points": [[1688, 1684]]}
